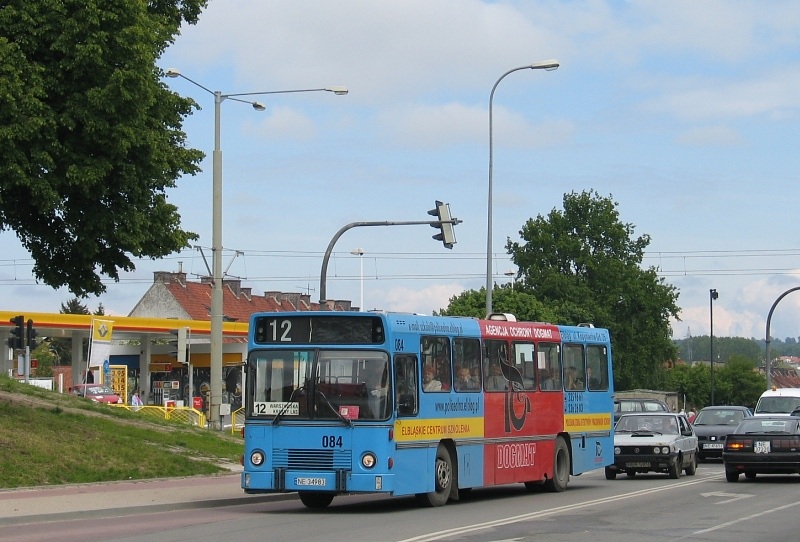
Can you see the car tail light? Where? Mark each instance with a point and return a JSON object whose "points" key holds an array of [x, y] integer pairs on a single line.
{"points": [[786, 443], [738, 445]]}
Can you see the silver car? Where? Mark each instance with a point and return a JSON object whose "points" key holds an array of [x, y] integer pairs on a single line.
{"points": [[654, 442]]}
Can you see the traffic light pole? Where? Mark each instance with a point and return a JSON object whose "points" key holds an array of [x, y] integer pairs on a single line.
{"points": [[323, 276], [27, 362]]}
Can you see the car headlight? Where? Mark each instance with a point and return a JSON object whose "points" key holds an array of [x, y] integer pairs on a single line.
{"points": [[368, 460], [657, 450], [257, 458], [617, 450], [665, 450]]}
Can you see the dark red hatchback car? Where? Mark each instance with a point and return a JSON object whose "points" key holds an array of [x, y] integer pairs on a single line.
{"points": [[97, 393]]}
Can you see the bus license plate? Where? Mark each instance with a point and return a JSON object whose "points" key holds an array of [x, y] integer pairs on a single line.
{"points": [[317, 482], [638, 464]]}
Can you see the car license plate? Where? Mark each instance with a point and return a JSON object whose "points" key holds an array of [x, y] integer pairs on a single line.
{"points": [[635, 464], [318, 482], [761, 446], [714, 446]]}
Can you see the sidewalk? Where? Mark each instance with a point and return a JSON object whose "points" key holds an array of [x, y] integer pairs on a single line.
{"points": [[160, 494]]}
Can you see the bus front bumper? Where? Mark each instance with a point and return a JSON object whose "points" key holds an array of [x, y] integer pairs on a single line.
{"points": [[340, 481]]}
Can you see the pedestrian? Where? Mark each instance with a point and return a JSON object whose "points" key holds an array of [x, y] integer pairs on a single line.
{"points": [[136, 401]]}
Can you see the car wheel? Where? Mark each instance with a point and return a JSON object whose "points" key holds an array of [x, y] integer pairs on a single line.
{"points": [[676, 468], [692, 468], [731, 476], [750, 475], [560, 479], [443, 480], [611, 474]]}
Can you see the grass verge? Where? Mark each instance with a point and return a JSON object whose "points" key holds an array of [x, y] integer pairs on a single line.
{"points": [[48, 438]]}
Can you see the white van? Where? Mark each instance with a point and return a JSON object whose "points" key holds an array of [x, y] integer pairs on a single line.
{"points": [[778, 401]]}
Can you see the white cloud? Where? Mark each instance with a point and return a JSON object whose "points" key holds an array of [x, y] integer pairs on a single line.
{"points": [[711, 136]]}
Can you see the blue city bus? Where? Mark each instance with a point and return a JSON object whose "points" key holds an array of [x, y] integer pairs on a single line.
{"points": [[404, 404]]}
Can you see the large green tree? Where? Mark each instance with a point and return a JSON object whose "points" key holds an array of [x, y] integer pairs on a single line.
{"points": [[588, 263], [582, 264], [90, 138]]}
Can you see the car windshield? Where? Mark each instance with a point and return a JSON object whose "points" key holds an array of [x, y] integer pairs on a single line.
{"points": [[760, 425], [99, 390], [666, 425], [719, 417], [777, 405]]}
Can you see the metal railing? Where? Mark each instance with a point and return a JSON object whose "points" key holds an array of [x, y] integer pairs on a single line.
{"points": [[187, 415]]}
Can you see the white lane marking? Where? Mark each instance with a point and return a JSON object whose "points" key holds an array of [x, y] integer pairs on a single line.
{"points": [[734, 522], [733, 496], [549, 512]]}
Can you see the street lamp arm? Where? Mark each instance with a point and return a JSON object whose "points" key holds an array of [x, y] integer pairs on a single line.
{"points": [[339, 91], [173, 73]]}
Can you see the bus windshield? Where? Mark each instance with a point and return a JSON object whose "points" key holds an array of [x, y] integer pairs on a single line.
{"points": [[320, 384]]}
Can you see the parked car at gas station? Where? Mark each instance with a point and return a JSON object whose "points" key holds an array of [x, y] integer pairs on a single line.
{"points": [[97, 393]]}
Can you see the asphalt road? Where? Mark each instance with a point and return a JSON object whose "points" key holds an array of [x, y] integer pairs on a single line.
{"points": [[641, 509]]}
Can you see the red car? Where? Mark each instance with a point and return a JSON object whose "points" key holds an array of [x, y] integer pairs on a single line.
{"points": [[97, 393]]}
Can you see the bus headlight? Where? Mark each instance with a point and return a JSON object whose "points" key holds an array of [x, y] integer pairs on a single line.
{"points": [[368, 460], [257, 458]]}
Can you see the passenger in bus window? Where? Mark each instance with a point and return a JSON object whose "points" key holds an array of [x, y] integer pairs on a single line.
{"points": [[573, 382], [495, 380], [547, 382], [476, 377], [429, 383], [464, 380]]}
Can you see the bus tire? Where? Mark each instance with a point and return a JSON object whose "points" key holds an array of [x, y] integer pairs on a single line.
{"points": [[315, 499], [560, 479], [443, 480]]}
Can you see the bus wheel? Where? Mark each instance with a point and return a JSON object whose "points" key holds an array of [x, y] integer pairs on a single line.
{"points": [[560, 479], [315, 499], [443, 477]]}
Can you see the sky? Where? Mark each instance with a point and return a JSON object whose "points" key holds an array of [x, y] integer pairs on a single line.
{"points": [[685, 113]]}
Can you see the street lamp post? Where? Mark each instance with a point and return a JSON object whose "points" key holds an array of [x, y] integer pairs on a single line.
{"points": [[548, 65], [360, 253], [216, 227], [712, 294]]}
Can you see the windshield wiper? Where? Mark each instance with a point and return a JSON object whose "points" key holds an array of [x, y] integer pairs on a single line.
{"points": [[285, 407], [347, 421]]}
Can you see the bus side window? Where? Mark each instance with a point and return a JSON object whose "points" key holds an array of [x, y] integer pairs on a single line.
{"points": [[549, 363], [405, 380], [597, 368]]}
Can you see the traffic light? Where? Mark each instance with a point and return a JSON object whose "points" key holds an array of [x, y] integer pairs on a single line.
{"points": [[180, 353], [17, 339], [447, 234], [31, 335]]}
